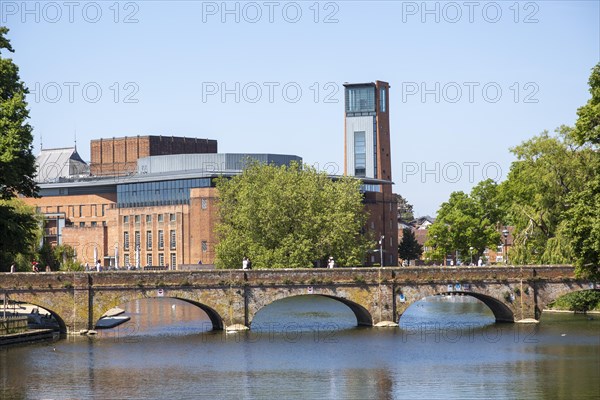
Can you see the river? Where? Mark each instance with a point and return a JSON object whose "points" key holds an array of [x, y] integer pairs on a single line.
{"points": [[309, 348]]}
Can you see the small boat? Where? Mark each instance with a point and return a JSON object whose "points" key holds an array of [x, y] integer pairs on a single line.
{"points": [[111, 322]]}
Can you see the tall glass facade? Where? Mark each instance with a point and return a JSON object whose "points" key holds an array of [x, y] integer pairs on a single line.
{"points": [[360, 154], [160, 193]]}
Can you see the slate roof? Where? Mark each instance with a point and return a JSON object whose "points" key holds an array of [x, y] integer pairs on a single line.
{"points": [[65, 162]]}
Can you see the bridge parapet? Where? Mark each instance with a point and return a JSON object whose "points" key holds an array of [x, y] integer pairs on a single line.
{"points": [[319, 276], [157, 279], [483, 274]]}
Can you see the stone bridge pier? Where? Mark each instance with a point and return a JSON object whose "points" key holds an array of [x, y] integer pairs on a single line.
{"points": [[233, 297]]}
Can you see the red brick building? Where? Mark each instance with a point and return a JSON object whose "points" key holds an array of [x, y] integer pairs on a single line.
{"points": [[150, 200]]}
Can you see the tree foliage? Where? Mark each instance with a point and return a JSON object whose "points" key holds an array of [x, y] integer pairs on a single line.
{"points": [[23, 234], [17, 163], [583, 217], [466, 221], [409, 248], [289, 217], [587, 127], [405, 209], [548, 169], [583, 301], [552, 193]]}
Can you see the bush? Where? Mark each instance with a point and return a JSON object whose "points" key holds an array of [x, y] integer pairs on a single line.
{"points": [[586, 300]]}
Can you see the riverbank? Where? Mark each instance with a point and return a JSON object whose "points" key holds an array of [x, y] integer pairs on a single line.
{"points": [[596, 312], [32, 335]]}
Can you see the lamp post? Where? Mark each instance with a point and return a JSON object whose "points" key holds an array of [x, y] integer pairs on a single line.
{"points": [[381, 249], [505, 234], [471, 253]]}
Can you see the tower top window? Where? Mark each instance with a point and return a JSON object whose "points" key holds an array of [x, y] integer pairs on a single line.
{"points": [[360, 99]]}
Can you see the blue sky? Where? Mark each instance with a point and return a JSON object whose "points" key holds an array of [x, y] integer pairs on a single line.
{"points": [[469, 79]]}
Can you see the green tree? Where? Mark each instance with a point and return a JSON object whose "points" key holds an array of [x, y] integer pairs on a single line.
{"points": [[289, 217], [552, 193], [409, 248], [466, 221], [587, 127], [583, 217], [17, 163], [22, 234], [543, 185], [405, 209], [59, 257]]}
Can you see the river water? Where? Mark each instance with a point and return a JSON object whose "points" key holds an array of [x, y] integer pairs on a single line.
{"points": [[309, 348]]}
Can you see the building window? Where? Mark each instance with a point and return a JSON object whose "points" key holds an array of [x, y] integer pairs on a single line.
{"points": [[71, 211], [126, 260], [137, 219], [126, 240], [149, 240], [382, 99], [103, 209], [94, 223], [149, 259], [173, 239], [126, 219], [204, 246], [80, 211], [172, 217], [161, 259], [94, 210], [204, 203], [360, 154], [148, 219], [161, 217], [137, 239], [173, 260], [82, 224], [161, 239], [360, 99]]}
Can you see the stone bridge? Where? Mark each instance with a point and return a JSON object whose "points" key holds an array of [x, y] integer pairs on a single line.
{"points": [[78, 300]]}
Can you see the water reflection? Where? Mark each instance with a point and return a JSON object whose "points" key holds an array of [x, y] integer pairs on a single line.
{"points": [[298, 314], [168, 357], [447, 311], [159, 317]]}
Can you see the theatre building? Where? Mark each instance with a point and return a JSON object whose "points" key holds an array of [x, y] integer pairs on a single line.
{"points": [[151, 200], [162, 213]]}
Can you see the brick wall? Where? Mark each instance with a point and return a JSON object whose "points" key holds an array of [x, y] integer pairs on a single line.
{"points": [[118, 156]]}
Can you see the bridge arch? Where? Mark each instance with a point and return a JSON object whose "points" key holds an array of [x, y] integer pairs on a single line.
{"points": [[213, 315], [363, 316], [62, 326], [502, 312]]}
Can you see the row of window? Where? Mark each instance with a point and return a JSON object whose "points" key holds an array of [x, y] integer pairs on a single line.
{"points": [[78, 211], [129, 260], [92, 224], [138, 218], [149, 242]]}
